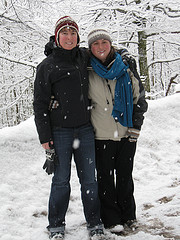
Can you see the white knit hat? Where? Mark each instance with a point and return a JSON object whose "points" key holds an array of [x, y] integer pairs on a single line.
{"points": [[98, 34]]}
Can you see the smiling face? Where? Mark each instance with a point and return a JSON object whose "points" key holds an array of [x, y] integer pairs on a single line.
{"points": [[68, 38], [100, 49]]}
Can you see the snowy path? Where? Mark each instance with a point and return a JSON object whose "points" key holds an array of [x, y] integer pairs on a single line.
{"points": [[24, 186]]}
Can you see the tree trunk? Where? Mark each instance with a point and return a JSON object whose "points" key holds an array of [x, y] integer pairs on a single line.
{"points": [[143, 67]]}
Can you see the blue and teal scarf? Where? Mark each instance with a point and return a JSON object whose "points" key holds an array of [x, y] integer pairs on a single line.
{"points": [[123, 99]]}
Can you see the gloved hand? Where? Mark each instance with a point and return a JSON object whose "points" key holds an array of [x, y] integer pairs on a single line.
{"points": [[133, 134], [51, 160], [129, 60]]}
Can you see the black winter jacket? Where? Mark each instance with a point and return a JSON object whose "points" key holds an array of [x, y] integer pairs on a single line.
{"points": [[63, 75]]}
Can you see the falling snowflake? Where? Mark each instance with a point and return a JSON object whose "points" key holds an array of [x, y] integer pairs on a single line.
{"points": [[89, 107], [76, 143], [116, 134]]}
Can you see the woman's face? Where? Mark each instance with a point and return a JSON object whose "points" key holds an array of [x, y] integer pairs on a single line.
{"points": [[100, 49], [68, 38]]}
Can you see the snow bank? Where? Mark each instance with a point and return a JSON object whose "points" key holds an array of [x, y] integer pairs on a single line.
{"points": [[24, 186]]}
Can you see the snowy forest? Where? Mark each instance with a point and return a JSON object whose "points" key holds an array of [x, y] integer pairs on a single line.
{"points": [[150, 31]]}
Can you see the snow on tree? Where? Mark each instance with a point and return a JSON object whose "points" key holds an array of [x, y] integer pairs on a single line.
{"points": [[148, 29]]}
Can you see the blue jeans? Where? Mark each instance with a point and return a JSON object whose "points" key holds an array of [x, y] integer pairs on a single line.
{"points": [[78, 142]]}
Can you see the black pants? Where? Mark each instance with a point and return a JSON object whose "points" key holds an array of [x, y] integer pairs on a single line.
{"points": [[114, 160]]}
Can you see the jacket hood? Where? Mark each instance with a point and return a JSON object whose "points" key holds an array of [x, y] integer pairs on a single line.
{"points": [[50, 46]]}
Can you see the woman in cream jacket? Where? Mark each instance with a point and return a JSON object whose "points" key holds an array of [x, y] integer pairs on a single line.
{"points": [[118, 104]]}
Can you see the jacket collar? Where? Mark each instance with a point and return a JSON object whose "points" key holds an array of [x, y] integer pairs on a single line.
{"points": [[57, 52]]}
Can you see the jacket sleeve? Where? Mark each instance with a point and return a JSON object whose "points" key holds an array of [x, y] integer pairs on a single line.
{"points": [[140, 105], [42, 95]]}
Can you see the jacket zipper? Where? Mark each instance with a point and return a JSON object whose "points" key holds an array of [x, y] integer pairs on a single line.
{"points": [[81, 83]]}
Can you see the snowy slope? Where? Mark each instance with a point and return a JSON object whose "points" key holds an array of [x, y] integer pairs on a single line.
{"points": [[24, 186]]}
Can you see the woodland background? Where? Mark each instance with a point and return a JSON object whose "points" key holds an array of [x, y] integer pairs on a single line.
{"points": [[150, 31]]}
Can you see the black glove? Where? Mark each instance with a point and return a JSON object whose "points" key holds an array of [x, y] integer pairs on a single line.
{"points": [[51, 160], [129, 60], [133, 134]]}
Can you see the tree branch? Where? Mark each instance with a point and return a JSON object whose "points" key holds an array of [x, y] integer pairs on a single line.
{"points": [[19, 62], [166, 12], [15, 101], [163, 32], [163, 61], [10, 19], [171, 81]]}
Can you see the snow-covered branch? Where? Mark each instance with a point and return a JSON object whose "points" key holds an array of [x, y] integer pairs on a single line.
{"points": [[15, 101], [171, 82], [18, 61], [6, 87], [148, 29], [9, 19], [164, 61], [167, 11]]}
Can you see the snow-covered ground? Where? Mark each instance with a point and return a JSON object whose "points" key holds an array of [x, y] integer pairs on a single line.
{"points": [[24, 186]]}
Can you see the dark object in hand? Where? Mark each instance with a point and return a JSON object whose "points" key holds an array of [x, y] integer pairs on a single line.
{"points": [[51, 160]]}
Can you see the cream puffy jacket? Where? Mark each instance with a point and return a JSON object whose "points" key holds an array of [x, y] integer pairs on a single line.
{"points": [[101, 93]]}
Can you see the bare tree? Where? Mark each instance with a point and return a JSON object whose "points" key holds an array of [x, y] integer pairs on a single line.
{"points": [[138, 25], [148, 28]]}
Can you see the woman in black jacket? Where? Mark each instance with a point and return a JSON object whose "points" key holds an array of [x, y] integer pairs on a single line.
{"points": [[62, 119]]}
